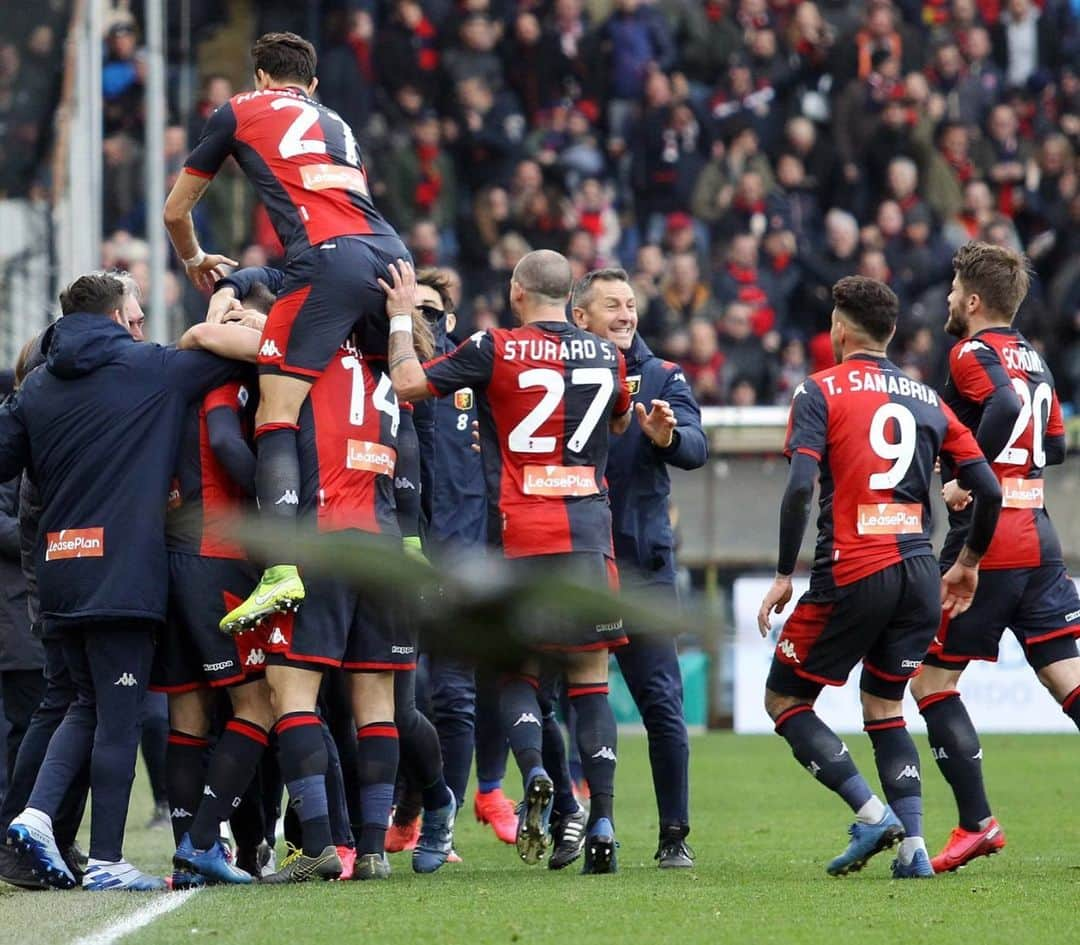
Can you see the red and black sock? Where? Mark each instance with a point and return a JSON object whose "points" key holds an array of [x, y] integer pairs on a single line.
{"points": [[955, 746], [377, 751], [185, 764], [597, 737], [232, 767], [303, 759]]}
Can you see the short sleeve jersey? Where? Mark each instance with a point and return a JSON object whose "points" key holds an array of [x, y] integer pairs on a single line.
{"points": [[876, 434], [303, 161], [348, 447], [546, 393], [204, 502], [992, 359]]}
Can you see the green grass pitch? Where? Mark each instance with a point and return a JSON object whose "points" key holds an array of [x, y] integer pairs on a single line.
{"points": [[763, 831]]}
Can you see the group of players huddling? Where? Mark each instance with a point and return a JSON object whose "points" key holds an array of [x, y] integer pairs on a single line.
{"points": [[139, 461]]}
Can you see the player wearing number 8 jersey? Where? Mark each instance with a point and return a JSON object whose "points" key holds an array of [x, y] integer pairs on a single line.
{"points": [[873, 435], [547, 393], [304, 163], [1001, 389]]}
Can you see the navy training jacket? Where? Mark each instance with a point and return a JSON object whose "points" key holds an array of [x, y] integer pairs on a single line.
{"points": [[638, 482], [98, 430]]}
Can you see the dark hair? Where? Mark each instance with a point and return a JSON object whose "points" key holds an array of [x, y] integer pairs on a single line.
{"points": [[997, 275], [582, 294], [98, 294], [259, 298], [285, 56], [871, 305], [438, 280]]}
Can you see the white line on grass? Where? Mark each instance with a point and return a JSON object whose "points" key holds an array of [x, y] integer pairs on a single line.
{"points": [[139, 918]]}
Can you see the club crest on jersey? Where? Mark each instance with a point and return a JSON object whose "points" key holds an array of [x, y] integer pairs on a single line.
{"points": [[463, 399], [633, 385]]}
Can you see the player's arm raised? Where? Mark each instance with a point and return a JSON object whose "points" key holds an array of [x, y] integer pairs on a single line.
{"points": [[406, 372]]}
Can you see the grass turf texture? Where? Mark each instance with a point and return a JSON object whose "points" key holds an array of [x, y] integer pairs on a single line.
{"points": [[763, 831]]}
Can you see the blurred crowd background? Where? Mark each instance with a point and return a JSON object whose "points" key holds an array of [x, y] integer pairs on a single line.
{"points": [[737, 157]]}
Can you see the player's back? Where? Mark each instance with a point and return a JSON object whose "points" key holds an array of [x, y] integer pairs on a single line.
{"points": [[545, 421], [876, 433], [303, 161], [348, 447], [1025, 537]]}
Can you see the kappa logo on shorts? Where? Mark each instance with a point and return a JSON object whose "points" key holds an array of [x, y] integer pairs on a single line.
{"points": [[215, 667], [786, 647], [126, 679], [910, 771], [526, 718], [910, 664], [75, 543], [402, 650], [1075, 615], [277, 638], [255, 658], [269, 349]]}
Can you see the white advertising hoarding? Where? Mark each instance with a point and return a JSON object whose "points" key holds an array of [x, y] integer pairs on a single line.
{"points": [[1001, 697]]}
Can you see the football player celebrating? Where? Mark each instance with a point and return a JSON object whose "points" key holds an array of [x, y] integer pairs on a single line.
{"points": [[872, 435]]}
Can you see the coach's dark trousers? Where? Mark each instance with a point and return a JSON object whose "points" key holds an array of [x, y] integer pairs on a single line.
{"points": [[109, 663]]}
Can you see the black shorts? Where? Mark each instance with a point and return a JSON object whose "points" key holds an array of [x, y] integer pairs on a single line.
{"points": [[327, 290], [1037, 604], [336, 626], [554, 631], [887, 620], [192, 652]]}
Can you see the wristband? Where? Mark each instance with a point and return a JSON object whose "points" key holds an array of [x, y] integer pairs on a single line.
{"points": [[196, 260], [401, 323]]}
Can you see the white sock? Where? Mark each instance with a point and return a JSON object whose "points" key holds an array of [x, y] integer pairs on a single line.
{"points": [[908, 846], [871, 812], [37, 819]]}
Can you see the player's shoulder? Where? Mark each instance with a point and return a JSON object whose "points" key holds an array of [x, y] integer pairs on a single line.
{"points": [[971, 349]]}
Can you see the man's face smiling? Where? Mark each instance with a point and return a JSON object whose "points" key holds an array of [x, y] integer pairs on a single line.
{"points": [[612, 312]]}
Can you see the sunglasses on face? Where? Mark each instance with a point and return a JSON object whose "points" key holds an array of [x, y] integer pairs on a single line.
{"points": [[431, 313]]}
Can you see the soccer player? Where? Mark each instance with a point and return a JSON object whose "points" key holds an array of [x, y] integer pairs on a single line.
{"points": [[1000, 388], [872, 434], [98, 426], [304, 163], [547, 393], [668, 432]]}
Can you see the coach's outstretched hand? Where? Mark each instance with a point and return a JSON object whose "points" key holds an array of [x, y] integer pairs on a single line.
{"points": [[958, 588], [775, 601], [657, 424]]}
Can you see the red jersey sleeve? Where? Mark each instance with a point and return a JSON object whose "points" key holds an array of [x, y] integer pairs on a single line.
{"points": [[976, 370], [227, 395], [959, 446], [1055, 425], [623, 400], [468, 365], [808, 422], [215, 144]]}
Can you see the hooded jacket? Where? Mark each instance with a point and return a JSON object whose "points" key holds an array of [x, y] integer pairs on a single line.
{"points": [[639, 486], [98, 431]]}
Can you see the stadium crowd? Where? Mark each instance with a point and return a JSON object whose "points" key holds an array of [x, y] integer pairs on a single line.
{"points": [[736, 157]]}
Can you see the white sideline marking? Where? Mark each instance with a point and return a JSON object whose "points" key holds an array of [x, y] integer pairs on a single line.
{"points": [[139, 918]]}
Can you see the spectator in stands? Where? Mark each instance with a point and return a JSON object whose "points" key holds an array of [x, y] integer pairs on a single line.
{"points": [[421, 180], [347, 78], [1025, 42], [744, 354], [742, 279], [704, 364]]}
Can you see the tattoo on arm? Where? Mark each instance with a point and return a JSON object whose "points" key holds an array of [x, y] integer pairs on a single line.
{"points": [[400, 348], [401, 359]]}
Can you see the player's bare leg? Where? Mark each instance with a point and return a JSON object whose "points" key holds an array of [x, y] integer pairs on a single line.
{"points": [[304, 761], [377, 756], [955, 746], [897, 761], [277, 491], [597, 735], [818, 749]]}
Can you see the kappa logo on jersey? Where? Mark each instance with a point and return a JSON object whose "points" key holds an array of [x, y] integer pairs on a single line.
{"points": [[476, 337], [909, 771], [288, 497], [269, 349], [526, 718], [801, 389], [633, 385], [463, 399], [370, 457], [255, 658], [605, 752], [75, 543], [889, 518], [971, 346], [786, 647], [559, 481], [126, 679], [1018, 493]]}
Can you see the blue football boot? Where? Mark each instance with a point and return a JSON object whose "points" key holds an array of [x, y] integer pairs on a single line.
{"points": [[212, 864], [38, 850], [866, 840], [436, 838]]}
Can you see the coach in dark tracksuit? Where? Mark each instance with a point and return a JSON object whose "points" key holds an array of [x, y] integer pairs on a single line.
{"points": [[98, 429], [668, 432]]}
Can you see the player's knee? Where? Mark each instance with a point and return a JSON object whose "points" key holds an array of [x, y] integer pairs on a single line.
{"points": [[189, 712], [280, 399], [776, 704], [251, 701], [590, 666], [1060, 676], [372, 697]]}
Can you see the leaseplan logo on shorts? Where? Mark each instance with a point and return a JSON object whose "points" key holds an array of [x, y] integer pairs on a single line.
{"points": [[75, 543]]}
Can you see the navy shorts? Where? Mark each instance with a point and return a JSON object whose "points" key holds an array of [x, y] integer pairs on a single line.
{"points": [[554, 631], [328, 289], [1037, 604], [192, 652], [886, 619], [336, 626]]}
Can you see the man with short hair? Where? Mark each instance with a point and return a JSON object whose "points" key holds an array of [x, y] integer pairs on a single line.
{"points": [[873, 434], [668, 432], [1001, 390], [548, 392], [99, 427]]}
